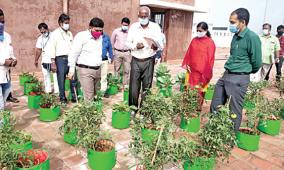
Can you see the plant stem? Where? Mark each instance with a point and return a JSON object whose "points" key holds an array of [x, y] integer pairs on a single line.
{"points": [[159, 138]]}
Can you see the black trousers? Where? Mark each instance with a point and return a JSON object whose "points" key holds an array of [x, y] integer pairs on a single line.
{"points": [[141, 72], [278, 70], [235, 86]]}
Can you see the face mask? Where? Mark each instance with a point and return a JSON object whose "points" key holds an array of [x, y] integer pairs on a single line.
{"points": [[96, 34], [45, 34], [201, 34], [265, 31], [65, 27], [1, 31], [280, 33], [234, 28], [144, 21], [124, 28]]}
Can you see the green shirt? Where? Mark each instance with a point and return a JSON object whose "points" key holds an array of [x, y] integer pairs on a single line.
{"points": [[269, 45], [245, 53]]}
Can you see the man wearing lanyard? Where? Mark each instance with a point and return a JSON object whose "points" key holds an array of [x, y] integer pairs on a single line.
{"points": [[60, 46], [142, 40], [245, 58], [122, 56], [86, 55], [41, 43], [7, 60]]}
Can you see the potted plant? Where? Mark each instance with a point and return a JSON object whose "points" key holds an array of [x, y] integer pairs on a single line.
{"points": [[209, 92], [49, 108], [24, 77], [253, 90], [181, 81], [121, 115], [270, 123], [5, 118], [35, 96], [112, 83], [165, 85], [32, 81], [21, 141], [186, 104], [162, 71], [126, 94], [33, 159]]}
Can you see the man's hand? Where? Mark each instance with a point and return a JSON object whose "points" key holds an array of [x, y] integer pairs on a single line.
{"points": [[8, 62], [14, 63], [154, 47], [277, 60], [36, 64], [157, 60], [53, 67], [70, 75], [139, 46]]}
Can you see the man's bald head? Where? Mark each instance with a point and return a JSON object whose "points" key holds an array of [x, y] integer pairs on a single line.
{"points": [[144, 11]]}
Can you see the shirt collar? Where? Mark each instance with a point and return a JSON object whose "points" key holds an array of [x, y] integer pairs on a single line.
{"points": [[243, 33]]}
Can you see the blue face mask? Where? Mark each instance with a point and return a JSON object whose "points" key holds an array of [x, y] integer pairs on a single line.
{"points": [[1, 31], [234, 28]]}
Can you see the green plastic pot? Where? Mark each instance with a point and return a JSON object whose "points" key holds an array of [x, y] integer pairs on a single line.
{"points": [[22, 147], [33, 101], [190, 125], [28, 88], [166, 92], [126, 95], [23, 80], [249, 105], [200, 163], [49, 114], [43, 166], [112, 90], [67, 85], [209, 94], [247, 142], [120, 120], [270, 127], [101, 160], [71, 137], [149, 135]]}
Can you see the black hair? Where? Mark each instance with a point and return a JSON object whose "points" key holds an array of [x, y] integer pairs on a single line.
{"points": [[42, 25], [63, 17], [280, 27], [97, 22], [266, 24], [242, 14], [204, 26], [125, 20], [1, 12]]}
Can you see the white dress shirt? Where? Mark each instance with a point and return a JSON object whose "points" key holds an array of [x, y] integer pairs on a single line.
{"points": [[137, 34], [60, 43], [6, 52], [41, 43], [85, 50]]}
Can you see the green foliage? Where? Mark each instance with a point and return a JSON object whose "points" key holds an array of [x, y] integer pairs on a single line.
{"points": [[112, 80], [123, 107], [49, 101], [99, 95], [38, 88], [26, 74], [165, 82], [271, 109], [32, 79], [162, 71], [180, 78], [86, 119], [254, 89]]}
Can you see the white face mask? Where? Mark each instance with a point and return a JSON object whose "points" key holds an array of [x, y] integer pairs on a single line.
{"points": [[144, 21], [265, 31], [46, 34], [201, 34], [124, 28], [65, 27]]}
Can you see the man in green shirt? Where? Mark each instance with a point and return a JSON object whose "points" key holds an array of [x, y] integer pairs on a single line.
{"points": [[270, 53], [245, 58]]}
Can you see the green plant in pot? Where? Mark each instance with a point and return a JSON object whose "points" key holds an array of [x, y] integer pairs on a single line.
{"points": [[99, 100], [270, 123], [24, 77], [112, 83], [209, 92], [253, 89], [121, 115], [162, 71], [35, 96], [29, 84], [165, 85], [181, 81], [186, 104], [49, 108], [6, 118]]}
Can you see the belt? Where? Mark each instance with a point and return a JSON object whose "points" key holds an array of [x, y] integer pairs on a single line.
{"points": [[89, 67], [236, 73], [144, 59], [63, 56], [124, 51]]}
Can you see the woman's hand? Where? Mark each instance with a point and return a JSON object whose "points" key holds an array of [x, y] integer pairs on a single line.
{"points": [[188, 68]]}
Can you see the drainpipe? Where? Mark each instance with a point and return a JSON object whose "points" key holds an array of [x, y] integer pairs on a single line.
{"points": [[65, 6]]}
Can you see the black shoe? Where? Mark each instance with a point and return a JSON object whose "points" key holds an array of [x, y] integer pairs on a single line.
{"points": [[63, 101], [73, 100], [13, 100], [106, 95]]}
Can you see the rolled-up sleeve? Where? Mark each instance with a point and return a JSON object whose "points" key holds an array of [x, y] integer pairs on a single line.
{"points": [[75, 52], [254, 49]]}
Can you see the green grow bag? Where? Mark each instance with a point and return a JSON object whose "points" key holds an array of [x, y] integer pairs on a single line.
{"points": [[190, 125], [247, 142], [101, 160], [126, 95], [149, 135], [209, 94], [43, 166], [49, 114], [282, 113], [22, 147], [23, 80], [270, 127], [28, 88], [249, 105], [71, 137], [112, 90], [67, 85], [33, 101], [166, 92], [120, 120], [200, 163]]}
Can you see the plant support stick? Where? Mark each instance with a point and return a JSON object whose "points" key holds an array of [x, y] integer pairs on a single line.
{"points": [[159, 138]]}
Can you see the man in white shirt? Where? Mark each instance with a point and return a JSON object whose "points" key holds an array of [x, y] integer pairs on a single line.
{"points": [[58, 49], [86, 55], [143, 41], [41, 43], [7, 60]]}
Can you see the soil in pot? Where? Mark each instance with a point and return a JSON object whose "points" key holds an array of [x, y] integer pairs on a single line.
{"points": [[39, 158], [247, 140]]}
